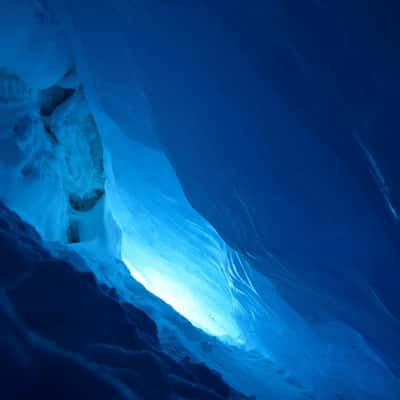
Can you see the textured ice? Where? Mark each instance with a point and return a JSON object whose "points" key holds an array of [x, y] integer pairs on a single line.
{"points": [[152, 132]]}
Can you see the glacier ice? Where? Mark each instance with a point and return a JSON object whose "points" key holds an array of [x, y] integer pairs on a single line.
{"points": [[120, 155]]}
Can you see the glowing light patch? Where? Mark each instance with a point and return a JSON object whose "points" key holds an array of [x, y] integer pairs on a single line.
{"points": [[183, 299], [168, 247]]}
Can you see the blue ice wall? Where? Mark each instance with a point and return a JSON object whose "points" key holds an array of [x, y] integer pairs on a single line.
{"points": [[276, 123]]}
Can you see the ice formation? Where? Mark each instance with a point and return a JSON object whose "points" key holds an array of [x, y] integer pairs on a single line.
{"points": [[129, 140]]}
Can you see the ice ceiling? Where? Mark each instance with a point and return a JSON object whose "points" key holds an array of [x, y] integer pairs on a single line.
{"points": [[122, 135]]}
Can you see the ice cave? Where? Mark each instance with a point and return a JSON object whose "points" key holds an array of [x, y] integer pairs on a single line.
{"points": [[199, 199]]}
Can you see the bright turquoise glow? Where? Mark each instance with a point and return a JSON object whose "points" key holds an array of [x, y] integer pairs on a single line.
{"points": [[169, 248]]}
